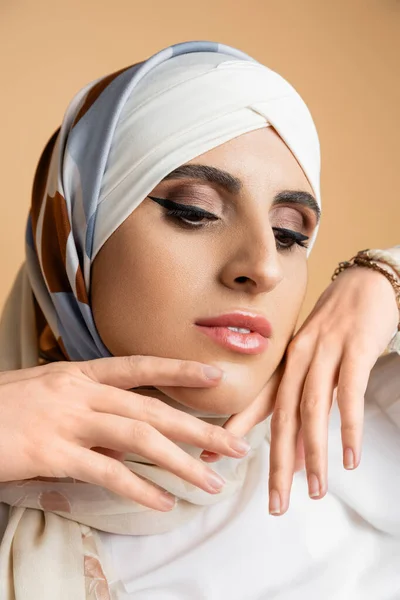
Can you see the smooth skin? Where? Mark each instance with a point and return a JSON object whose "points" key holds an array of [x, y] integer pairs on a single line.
{"points": [[174, 273]]}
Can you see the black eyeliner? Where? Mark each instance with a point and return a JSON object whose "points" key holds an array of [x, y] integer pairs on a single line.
{"points": [[294, 234], [169, 204], [177, 208]]}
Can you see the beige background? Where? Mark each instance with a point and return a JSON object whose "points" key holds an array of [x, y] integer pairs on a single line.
{"points": [[342, 56]]}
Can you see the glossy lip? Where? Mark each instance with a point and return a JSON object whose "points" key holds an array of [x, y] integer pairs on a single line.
{"points": [[256, 323], [254, 342]]}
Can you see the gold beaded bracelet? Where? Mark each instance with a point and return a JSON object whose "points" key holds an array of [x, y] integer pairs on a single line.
{"points": [[363, 260]]}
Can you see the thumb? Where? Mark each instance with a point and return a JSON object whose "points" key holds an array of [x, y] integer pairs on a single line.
{"points": [[259, 409], [241, 423]]}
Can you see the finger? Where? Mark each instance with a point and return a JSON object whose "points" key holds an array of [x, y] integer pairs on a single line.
{"points": [[127, 372], [315, 408], [127, 435], [170, 422], [285, 425], [241, 423], [352, 384], [92, 467], [300, 454]]}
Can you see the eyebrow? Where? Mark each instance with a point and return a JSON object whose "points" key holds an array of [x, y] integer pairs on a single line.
{"points": [[209, 174], [234, 185], [298, 197]]}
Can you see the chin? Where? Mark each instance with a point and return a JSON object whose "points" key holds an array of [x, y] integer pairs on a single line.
{"points": [[231, 396]]}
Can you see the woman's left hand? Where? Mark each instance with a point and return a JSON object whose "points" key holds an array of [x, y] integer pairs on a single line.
{"points": [[349, 328]]}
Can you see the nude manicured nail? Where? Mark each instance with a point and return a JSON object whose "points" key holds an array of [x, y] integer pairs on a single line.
{"points": [[313, 486], [274, 503], [167, 500], [215, 482], [348, 459], [213, 373], [240, 446]]}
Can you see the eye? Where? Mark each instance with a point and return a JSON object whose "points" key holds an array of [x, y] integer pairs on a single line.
{"points": [[286, 239], [189, 216]]}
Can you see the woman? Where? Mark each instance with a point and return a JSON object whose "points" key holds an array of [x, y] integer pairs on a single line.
{"points": [[212, 199]]}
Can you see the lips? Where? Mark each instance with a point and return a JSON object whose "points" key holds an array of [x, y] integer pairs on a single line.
{"points": [[256, 323], [254, 342]]}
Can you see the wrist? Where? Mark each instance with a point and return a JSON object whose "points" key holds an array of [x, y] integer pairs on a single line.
{"points": [[374, 260], [389, 269]]}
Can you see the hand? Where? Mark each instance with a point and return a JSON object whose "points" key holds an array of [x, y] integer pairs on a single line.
{"points": [[76, 420], [336, 347], [241, 423]]}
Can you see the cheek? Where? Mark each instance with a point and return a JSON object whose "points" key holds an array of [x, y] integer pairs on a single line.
{"points": [[147, 301], [141, 303], [245, 379]]}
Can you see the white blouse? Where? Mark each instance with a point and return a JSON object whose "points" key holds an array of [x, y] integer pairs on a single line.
{"points": [[345, 546]]}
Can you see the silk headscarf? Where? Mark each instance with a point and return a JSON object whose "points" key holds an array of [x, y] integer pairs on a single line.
{"points": [[120, 136]]}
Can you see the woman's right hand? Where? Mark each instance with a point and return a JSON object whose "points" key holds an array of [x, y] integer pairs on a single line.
{"points": [[76, 419]]}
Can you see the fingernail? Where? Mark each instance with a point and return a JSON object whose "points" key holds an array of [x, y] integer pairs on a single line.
{"points": [[240, 446], [210, 457], [274, 503], [167, 500], [206, 454], [313, 486], [215, 482], [348, 459], [213, 372]]}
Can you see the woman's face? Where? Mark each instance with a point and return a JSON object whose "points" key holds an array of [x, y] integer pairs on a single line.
{"points": [[161, 273]]}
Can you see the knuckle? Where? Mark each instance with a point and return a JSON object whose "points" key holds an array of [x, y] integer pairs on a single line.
{"points": [[324, 345], [185, 368], [113, 471], [151, 405], [300, 344], [211, 435], [349, 391], [350, 427], [280, 418], [134, 363], [277, 472], [60, 381], [136, 367], [72, 369], [308, 405], [141, 431], [135, 360]]}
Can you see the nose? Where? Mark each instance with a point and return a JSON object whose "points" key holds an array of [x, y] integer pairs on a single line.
{"points": [[254, 266]]}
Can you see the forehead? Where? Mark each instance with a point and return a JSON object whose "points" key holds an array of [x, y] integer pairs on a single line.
{"points": [[259, 159]]}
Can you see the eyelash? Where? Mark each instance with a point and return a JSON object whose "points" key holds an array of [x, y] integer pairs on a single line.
{"points": [[177, 213]]}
